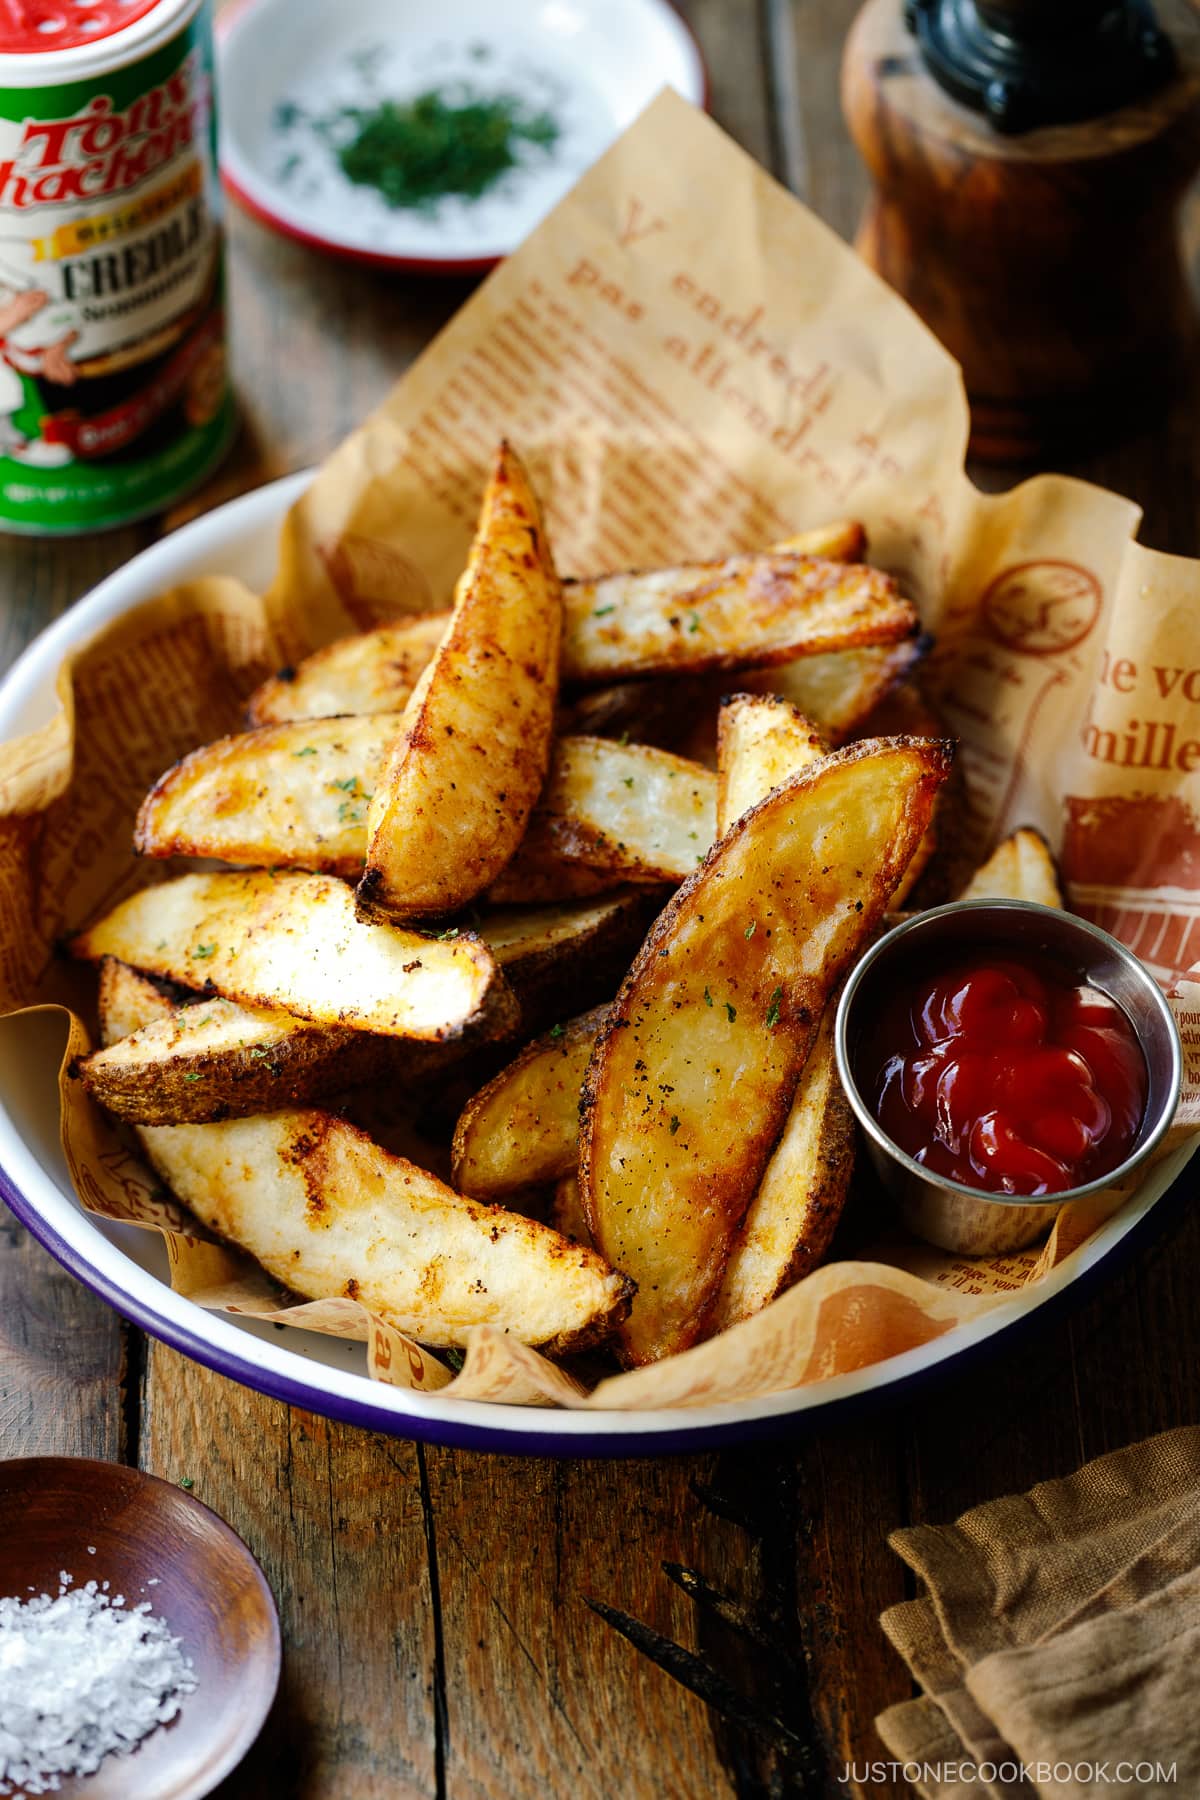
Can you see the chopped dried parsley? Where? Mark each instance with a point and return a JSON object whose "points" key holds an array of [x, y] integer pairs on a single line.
{"points": [[674, 1125], [751, 928], [773, 1009], [203, 951], [444, 142], [732, 1011], [308, 750], [602, 612]]}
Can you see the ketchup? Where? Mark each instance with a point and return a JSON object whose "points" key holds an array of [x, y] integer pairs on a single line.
{"points": [[1007, 1072]]}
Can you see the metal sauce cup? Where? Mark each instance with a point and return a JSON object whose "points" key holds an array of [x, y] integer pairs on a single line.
{"points": [[947, 1213]]}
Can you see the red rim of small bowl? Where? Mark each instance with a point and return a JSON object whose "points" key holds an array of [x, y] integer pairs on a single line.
{"points": [[378, 259]]}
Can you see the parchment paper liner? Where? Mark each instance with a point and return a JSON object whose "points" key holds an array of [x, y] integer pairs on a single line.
{"points": [[692, 364]]}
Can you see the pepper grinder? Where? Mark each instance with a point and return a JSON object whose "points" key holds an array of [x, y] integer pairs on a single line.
{"points": [[1029, 159]]}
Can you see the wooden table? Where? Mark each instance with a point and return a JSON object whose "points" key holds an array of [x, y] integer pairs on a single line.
{"points": [[481, 1626]]}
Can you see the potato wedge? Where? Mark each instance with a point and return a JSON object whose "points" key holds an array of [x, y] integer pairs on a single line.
{"points": [[658, 711], [292, 943], [283, 796], [792, 1217], [745, 612], [213, 1059], [128, 1001], [372, 672], [845, 540], [329, 1213], [752, 612], [566, 1211], [523, 1126], [561, 959], [624, 810], [376, 671], [1020, 868], [838, 691], [456, 790], [693, 1075], [762, 741]]}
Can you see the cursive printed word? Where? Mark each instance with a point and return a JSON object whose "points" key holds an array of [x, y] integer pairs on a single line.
{"points": [[99, 151]]}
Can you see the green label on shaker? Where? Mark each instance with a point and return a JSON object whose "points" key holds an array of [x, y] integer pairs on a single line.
{"points": [[114, 393]]}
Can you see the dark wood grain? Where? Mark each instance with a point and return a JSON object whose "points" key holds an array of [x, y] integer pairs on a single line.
{"points": [[62, 1358]]}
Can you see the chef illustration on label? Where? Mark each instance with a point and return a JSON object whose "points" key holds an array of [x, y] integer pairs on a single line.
{"points": [[33, 342]]}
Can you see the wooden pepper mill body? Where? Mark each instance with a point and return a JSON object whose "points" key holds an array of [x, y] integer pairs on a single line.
{"points": [[1049, 264]]}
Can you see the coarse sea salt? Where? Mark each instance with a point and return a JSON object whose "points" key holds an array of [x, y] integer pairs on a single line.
{"points": [[81, 1676]]}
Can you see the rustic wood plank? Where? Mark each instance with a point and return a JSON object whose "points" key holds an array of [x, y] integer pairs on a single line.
{"points": [[62, 1358], [335, 1517], [544, 1696], [736, 54], [821, 164]]}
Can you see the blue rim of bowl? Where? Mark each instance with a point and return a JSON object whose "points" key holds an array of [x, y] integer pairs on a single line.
{"points": [[533, 1431], [657, 1441]]}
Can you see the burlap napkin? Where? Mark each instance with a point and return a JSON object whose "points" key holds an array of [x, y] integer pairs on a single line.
{"points": [[1058, 1637]]}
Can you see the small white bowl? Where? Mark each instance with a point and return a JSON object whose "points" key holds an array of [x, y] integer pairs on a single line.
{"points": [[594, 64]]}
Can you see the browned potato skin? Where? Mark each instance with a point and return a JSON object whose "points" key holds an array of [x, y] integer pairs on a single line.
{"points": [[841, 690], [223, 800], [524, 1125], [456, 791], [287, 1186], [1021, 867], [376, 671], [554, 978], [588, 832], [386, 674], [178, 1085], [790, 1223], [707, 1198], [745, 612]]}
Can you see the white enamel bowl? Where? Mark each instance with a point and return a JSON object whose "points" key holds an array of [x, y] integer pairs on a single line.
{"points": [[127, 1266]]}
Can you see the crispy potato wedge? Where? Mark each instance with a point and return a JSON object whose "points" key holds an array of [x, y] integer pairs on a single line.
{"points": [[845, 540], [213, 1059], [284, 796], [622, 810], [839, 691], [792, 1217], [523, 1126], [762, 741], [376, 671], [658, 711], [1020, 868], [291, 942], [457, 787], [330, 1213], [372, 672], [561, 959], [128, 1001], [693, 1075], [745, 612], [566, 1211]]}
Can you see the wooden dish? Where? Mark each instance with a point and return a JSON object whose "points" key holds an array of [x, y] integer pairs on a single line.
{"points": [[101, 1521]]}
